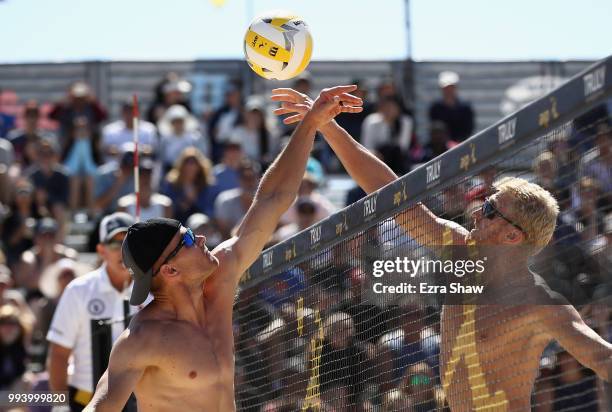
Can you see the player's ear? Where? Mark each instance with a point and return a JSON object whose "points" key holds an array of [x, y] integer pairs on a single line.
{"points": [[168, 271], [514, 236]]}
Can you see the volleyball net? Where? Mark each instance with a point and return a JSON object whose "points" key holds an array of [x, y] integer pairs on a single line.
{"points": [[327, 320]]}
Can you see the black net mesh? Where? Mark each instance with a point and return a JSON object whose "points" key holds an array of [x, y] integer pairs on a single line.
{"points": [[313, 334]]}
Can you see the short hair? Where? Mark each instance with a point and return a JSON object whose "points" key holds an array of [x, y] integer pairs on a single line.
{"points": [[534, 209]]}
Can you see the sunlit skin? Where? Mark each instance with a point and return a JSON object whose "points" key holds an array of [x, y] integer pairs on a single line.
{"points": [[501, 343], [178, 352]]}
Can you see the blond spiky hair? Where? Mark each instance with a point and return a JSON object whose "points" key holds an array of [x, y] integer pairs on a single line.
{"points": [[533, 208]]}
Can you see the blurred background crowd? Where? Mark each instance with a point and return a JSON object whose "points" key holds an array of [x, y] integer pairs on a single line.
{"points": [[64, 165]]}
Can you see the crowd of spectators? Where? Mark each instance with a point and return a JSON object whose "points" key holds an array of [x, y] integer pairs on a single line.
{"points": [[203, 169]]}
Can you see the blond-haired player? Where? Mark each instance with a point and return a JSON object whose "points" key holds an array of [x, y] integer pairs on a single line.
{"points": [[489, 353]]}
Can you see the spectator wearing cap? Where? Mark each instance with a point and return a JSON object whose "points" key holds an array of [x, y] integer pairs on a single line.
{"points": [[190, 185], [47, 249], [342, 359], [79, 102], [231, 206], [178, 130], [117, 133], [170, 90], [50, 179], [257, 140], [25, 140], [101, 294], [116, 179], [455, 113], [312, 180], [81, 157], [226, 172], [152, 204], [389, 132]]}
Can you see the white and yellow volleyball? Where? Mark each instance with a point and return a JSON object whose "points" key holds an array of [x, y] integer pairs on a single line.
{"points": [[278, 45]]}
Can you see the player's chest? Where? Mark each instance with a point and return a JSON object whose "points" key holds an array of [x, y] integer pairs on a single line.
{"points": [[197, 357], [484, 327]]}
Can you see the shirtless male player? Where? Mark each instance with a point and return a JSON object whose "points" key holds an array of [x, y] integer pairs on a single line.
{"points": [[489, 353], [178, 352]]}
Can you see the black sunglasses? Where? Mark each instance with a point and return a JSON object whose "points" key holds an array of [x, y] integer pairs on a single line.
{"points": [[188, 240], [490, 211]]}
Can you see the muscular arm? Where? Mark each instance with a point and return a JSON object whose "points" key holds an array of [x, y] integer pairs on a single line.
{"points": [[57, 365], [276, 192], [125, 368], [371, 174], [279, 185], [564, 324]]}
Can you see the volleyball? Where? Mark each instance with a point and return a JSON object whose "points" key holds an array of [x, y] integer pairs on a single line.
{"points": [[278, 45]]}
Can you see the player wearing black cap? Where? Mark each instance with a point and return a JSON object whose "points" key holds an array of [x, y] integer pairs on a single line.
{"points": [[177, 354]]}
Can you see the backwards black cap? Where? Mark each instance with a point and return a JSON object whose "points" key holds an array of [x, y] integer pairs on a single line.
{"points": [[143, 245]]}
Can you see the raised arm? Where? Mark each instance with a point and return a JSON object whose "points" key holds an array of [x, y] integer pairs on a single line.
{"points": [[125, 368], [564, 324], [369, 172], [279, 185]]}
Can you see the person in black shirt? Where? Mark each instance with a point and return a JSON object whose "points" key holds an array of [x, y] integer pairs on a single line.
{"points": [[455, 113]]}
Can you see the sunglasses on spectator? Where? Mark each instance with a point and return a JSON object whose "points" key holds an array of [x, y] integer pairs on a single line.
{"points": [[490, 211], [188, 240], [419, 380]]}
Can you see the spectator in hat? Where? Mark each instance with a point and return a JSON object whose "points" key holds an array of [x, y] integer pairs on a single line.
{"points": [[170, 90], [114, 180], [25, 140], [79, 102], [152, 204], [455, 113], [389, 132], [342, 359], [201, 224], [181, 134], [226, 173], [231, 206], [190, 185], [47, 249], [50, 179], [119, 132], [53, 281], [257, 140], [81, 157], [100, 294]]}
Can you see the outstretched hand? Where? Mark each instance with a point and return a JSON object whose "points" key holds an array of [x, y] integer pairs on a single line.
{"points": [[328, 105]]}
